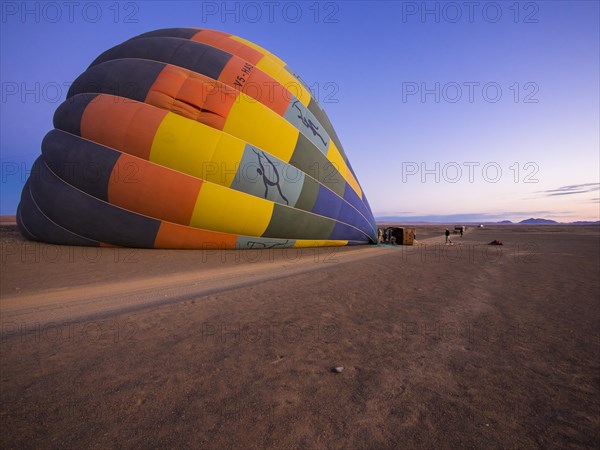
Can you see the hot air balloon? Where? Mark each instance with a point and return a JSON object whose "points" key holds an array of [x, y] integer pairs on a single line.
{"points": [[193, 138]]}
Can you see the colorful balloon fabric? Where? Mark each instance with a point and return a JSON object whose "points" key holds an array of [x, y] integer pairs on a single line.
{"points": [[193, 138]]}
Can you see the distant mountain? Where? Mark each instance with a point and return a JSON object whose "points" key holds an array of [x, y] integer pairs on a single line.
{"points": [[533, 221], [473, 219]]}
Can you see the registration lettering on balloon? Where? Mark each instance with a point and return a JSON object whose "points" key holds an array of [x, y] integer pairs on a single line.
{"points": [[262, 158], [241, 79], [308, 123]]}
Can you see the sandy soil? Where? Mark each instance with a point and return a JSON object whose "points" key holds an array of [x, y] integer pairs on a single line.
{"points": [[442, 346]]}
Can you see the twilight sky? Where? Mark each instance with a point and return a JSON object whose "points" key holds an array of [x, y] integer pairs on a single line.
{"points": [[466, 111]]}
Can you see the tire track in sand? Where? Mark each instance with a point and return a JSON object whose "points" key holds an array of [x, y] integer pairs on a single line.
{"points": [[104, 299]]}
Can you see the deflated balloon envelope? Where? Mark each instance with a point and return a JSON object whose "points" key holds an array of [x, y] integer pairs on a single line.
{"points": [[192, 138]]}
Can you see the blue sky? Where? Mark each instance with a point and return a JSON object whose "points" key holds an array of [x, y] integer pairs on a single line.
{"points": [[483, 111]]}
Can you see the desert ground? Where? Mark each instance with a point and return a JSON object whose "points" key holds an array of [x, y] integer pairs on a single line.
{"points": [[442, 346]]}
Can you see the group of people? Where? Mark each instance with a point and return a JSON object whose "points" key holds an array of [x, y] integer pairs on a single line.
{"points": [[393, 236], [396, 236], [386, 236]]}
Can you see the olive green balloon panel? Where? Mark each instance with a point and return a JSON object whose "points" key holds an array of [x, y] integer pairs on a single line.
{"points": [[161, 143]]}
